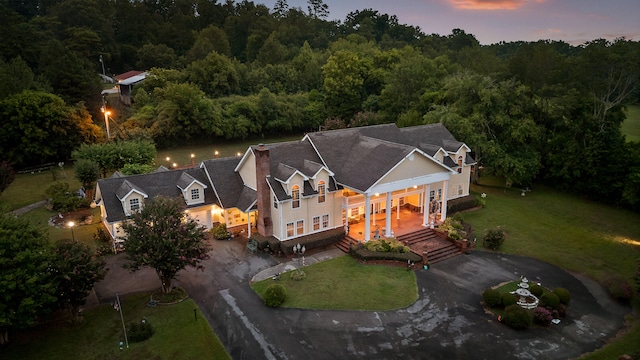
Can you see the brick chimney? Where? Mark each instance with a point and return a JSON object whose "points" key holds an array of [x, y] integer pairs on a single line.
{"points": [[265, 225]]}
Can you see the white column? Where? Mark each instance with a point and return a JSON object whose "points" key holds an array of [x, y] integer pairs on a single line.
{"points": [[425, 219], [249, 225], [387, 225], [445, 191], [367, 217]]}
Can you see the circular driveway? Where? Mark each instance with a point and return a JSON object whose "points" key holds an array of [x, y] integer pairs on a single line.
{"points": [[446, 322]]}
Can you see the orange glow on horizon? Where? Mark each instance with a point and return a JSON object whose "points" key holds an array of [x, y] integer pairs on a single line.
{"points": [[490, 4]]}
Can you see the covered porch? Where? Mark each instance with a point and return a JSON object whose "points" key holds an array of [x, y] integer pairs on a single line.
{"points": [[409, 221]]}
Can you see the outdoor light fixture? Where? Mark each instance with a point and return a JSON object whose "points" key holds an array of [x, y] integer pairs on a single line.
{"points": [[168, 159], [71, 224], [299, 250]]}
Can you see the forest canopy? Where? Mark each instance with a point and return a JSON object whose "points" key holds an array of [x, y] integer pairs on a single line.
{"points": [[543, 111]]}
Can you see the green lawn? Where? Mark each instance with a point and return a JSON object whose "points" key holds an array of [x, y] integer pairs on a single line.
{"points": [[29, 188], [178, 335], [570, 232], [631, 126], [359, 287]]}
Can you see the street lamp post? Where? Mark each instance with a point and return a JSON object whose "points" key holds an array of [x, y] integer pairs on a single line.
{"points": [[106, 120], [71, 224], [299, 250]]}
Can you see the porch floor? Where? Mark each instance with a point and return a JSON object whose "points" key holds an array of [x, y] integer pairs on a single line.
{"points": [[410, 221]]}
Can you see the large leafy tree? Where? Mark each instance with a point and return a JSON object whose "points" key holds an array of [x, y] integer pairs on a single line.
{"points": [[494, 119], [163, 237], [27, 286], [115, 155], [39, 127], [77, 269]]}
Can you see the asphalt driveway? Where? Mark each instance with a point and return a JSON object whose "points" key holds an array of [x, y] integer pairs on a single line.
{"points": [[447, 321]]}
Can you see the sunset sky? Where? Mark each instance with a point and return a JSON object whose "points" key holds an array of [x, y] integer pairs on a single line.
{"points": [[492, 21]]}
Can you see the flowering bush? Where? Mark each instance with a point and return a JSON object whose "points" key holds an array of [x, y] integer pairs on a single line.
{"points": [[542, 316]]}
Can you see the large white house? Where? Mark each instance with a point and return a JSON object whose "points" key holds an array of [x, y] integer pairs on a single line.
{"points": [[321, 182]]}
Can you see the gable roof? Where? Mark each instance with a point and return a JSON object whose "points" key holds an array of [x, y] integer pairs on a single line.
{"points": [[164, 183], [227, 183], [127, 75], [361, 156]]}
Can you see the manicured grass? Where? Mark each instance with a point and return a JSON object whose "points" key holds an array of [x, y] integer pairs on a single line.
{"points": [[570, 232], [29, 188], [178, 335], [631, 126], [344, 284]]}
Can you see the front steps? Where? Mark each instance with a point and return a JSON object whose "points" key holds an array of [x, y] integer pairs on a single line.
{"points": [[424, 242]]}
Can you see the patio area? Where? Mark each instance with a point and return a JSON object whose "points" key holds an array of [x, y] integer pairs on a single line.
{"points": [[409, 222]]}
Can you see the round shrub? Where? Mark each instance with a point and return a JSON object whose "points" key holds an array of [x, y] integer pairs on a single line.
{"points": [[542, 316], [619, 288], [549, 299], [508, 299], [517, 317], [563, 294], [536, 290], [492, 298], [493, 238], [139, 331], [220, 232], [275, 295]]}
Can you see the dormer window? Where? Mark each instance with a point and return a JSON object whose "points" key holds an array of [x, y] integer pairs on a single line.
{"points": [[195, 194], [134, 204], [459, 164], [322, 188], [295, 195]]}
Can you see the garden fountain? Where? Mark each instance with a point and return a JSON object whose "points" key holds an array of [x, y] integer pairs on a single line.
{"points": [[526, 299]]}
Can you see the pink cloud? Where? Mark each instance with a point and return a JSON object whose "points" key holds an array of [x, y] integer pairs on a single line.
{"points": [[490, 4]]}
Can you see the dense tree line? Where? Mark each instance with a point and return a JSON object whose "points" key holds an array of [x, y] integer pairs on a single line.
{"points": [[532, 111]]}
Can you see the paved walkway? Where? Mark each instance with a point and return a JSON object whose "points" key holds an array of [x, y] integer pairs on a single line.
{"points": [[29, 207], [446, 322]]}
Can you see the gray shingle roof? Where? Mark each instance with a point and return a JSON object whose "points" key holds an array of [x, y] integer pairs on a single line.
{"points": [[227, 183], [153, 184], [361, 156]]}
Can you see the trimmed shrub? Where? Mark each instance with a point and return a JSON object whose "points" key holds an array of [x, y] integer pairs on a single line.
{"points": [[542, 316], [517, 317], [493, 238], [563, 294], [508, 299], [391, 245], [139, 331], [536, 290], [453, 225], [492, 298], [275, 295], [220, 232], [549, 299], [619, 288]]}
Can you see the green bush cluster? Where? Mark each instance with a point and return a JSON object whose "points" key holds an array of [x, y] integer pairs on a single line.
{"points": [[275, 295], [536, 290], [493, 238], [220, 232], [64, 200], [453, 226], [391, 245], [563, 295], [618, 287], [508, 299], [549, 300], [517, 317], [492, 298], [461, 204], [139, 331]]}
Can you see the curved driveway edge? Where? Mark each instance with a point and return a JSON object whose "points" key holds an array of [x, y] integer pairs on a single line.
{"points": [[447, 321]]}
